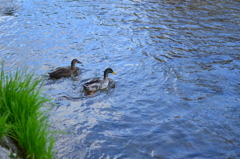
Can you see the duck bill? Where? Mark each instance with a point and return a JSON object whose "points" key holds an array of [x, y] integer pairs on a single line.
{"points": [[114, 73]]}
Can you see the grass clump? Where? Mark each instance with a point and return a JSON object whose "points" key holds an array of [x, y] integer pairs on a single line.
{"points": [[4, 127], [20, 102]]}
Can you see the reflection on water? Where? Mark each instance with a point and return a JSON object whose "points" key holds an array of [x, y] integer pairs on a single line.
{"points": [[8, 8], [176, 91]]}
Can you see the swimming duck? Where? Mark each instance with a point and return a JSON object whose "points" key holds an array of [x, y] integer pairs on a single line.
{"points": [[65, 72], [97, 84]]}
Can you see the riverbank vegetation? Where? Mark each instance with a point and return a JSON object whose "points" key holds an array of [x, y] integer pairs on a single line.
{"points": [[21, 117]]}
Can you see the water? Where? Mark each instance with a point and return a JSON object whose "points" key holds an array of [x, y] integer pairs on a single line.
{"points": [[177, 86]]}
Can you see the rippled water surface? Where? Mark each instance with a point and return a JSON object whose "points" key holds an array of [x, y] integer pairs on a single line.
{"points": [[177, 86]]}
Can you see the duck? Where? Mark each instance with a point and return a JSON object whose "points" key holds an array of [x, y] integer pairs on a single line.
{"points": [[64, 72], [98, 84]]}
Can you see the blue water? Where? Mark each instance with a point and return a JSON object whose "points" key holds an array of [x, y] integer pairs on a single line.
{"points": [[177, 86]]}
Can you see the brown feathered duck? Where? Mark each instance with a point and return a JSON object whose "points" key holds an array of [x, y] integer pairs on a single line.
{"points": [[64, 72]]}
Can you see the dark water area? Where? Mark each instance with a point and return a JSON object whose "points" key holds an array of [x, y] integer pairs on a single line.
{"points": [[177, 88]]}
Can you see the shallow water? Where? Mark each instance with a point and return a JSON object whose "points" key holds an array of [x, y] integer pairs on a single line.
{"points": [[177, 86]]}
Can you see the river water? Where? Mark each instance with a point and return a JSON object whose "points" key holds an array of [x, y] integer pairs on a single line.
{"points": [[177, 88]]}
